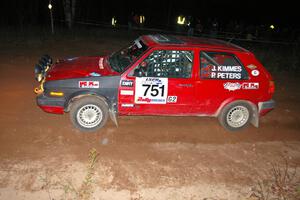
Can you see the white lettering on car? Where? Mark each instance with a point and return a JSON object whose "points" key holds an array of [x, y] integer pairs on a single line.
{"points": [[126, 92], [232, 86], [245, 86], [228, 75], [223, 72], [127, 83], [229, 68], [250, 86], [127, 105]]}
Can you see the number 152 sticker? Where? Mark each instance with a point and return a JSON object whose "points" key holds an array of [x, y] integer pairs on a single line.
{"points": [[150, 90]]}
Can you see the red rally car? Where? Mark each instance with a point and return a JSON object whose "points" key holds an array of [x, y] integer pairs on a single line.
{"points": [[158, 75]]}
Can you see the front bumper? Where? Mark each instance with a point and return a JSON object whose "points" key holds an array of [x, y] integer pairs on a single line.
{"points": [[265, 107], [51, 104]]}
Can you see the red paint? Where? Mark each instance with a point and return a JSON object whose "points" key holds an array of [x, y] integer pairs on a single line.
{"points": [[52, 109], [78, 67], [197, 96]]}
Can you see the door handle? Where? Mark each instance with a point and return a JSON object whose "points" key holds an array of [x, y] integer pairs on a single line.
{"points": [[185, 85]]}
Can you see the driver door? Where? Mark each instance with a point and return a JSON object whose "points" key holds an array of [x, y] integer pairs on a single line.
{"points": [[162, 83]]}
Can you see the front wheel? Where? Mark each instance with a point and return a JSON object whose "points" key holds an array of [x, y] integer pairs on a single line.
{"points": [[89, 113], [235, 116]]}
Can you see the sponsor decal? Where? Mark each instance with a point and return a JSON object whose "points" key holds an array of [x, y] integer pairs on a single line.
{"points": [[126, 92], [172, 99], [250, 86], [88, 84], [127, 105], [232, 86], [255, 72], [127, 83], [251, 66], [101, 63], [150, 90], [237, 86]]}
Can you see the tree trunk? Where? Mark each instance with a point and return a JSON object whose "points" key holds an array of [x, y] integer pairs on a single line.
{"points": [[69, 10], [73, 10]]}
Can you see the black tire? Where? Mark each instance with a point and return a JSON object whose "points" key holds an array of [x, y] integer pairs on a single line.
{"points": [[235, 116], [89, 114]]}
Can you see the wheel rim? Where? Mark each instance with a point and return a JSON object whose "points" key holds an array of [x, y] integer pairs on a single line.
{"points": [[237, 116], [89, 116]]}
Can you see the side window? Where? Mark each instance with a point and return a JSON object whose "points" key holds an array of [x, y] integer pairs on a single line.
{"points": [[166, 63], [216, 65]]}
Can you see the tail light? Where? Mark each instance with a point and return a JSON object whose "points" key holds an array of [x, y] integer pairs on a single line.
{"points": [[271, 87]]}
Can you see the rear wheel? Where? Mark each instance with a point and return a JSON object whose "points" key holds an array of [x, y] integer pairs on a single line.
{"points": [[89, 113], [235, 116]]}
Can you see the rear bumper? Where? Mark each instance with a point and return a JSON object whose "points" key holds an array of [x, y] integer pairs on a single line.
{"points": [[265, 107], [51, 105]]}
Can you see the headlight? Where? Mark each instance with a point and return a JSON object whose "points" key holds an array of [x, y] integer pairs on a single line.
{"points": [[38, 73], [42, 67], [39, 77]]}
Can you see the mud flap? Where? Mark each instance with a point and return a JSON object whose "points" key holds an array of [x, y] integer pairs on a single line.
{"points": [[255, 118], [113, 116]]}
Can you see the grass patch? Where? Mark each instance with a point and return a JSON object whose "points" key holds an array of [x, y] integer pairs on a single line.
{"points": [[83, 192], [281, 183]]}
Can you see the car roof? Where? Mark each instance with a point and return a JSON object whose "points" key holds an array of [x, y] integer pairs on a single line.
{"points": [[184, 41]]}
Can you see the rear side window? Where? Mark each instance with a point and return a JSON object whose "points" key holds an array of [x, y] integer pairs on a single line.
{"points": [[224, 66]]}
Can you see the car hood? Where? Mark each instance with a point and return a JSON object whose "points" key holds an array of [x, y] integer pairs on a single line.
{"points": [[79, 67]]}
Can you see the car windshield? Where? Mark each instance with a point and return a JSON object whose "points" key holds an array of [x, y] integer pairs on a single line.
{"points": [[122, 59]]}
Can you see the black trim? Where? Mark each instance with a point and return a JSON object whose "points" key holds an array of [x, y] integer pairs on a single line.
{"points": [[108, 89]]}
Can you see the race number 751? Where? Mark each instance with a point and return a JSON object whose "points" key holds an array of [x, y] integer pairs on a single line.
{"points": [[154, 90]]}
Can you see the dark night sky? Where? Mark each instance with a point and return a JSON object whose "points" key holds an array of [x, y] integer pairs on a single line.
{"points": [[35, 12]]}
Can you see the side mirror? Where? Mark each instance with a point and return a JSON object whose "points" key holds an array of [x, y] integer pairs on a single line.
{"points": [[138, 72]]}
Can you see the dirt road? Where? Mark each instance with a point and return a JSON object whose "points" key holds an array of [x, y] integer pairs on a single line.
{"points": [[43, 157]]}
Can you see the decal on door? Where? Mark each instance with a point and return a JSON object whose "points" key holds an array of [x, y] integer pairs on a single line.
{"points": [[126, 92], [172, 99], [151, 90], [127, 83]]}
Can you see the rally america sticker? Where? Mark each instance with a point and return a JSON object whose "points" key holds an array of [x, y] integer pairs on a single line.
{"points": [[150, 90], [88, 84]]}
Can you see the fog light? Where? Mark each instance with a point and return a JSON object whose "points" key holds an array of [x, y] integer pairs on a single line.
{"points": [[58, 94]]}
